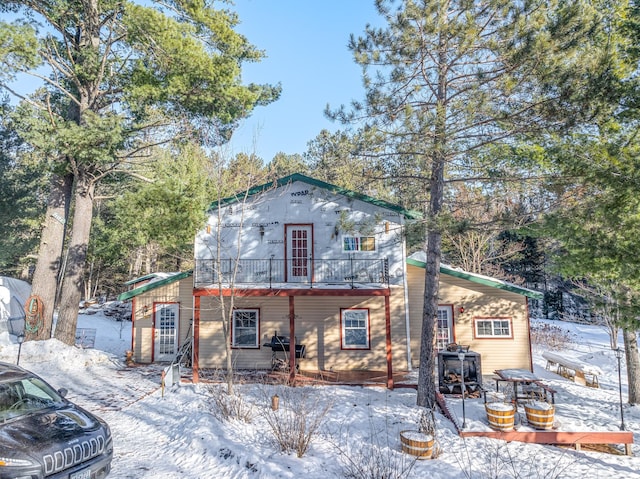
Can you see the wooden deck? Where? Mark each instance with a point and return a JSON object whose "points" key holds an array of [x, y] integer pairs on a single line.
{"points": [[575, 439], [559, 438], [352, 378], [336, 378]]}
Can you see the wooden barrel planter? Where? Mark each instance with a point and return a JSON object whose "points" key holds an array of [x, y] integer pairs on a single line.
{"points": [[417, 444], [500, 415], [539, 414]]}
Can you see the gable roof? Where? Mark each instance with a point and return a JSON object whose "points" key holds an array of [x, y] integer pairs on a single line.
{"points": [[171, 278], [478, 278], [256, 190]]}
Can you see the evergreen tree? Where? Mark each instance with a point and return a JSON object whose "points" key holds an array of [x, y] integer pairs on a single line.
{"points": [[21, 202], [124, 75], [453, 77]]}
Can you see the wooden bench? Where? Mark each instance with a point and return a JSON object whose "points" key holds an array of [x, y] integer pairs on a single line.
{"points": [[574, 369]]}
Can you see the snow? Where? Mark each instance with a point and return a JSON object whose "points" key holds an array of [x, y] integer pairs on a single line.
{"points": [[571, 363], [539, 406], [500, 406], [179, 433]]}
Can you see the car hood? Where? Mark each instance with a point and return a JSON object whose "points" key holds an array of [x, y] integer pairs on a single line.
{"points": [[57, 438]]}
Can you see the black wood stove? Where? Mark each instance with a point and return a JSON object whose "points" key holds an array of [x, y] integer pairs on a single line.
{"points": [[449, 375]]}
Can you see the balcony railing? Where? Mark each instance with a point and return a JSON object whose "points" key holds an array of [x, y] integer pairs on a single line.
{"points": [[274, 272]]}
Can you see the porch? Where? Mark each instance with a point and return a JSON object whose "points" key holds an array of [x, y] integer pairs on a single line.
{"points": [[274, 273]]}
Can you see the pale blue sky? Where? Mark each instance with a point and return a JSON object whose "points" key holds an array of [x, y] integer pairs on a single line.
{"points": [[306, 46]]}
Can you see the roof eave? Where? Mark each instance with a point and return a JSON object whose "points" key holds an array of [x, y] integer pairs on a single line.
{"points": [[409, 214], [494, 283], [153, 285]]}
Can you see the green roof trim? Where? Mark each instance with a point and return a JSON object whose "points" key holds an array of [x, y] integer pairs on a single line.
{"points": [[155, 284], [484, 280], [256, 190]]}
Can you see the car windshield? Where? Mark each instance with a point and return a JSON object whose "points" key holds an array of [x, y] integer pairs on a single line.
{"points": [[24, 396]]}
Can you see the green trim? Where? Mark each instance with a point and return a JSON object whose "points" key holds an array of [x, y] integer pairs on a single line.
{"points": [[410, 214], [154, 285], [484, 280]]}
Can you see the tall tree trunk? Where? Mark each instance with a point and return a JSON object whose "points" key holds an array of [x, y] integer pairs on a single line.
{"points": [[426, 396], [45, 278], [630, 337], [72, 285]]}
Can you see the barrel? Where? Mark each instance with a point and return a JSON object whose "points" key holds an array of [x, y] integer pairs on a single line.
{"points": [[500, 415], [417, 444], [539, 415]]}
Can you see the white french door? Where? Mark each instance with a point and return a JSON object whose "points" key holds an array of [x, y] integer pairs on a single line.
{"points": [[445, 329], [166, 331], [299, 253]]}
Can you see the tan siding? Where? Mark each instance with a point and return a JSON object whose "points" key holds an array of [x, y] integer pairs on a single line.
{"points": [[317, 326], [479, 301], [274, 313], [177, 292]]}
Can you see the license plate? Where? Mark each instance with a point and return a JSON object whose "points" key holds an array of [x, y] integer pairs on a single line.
{"points": [[84, 474]]}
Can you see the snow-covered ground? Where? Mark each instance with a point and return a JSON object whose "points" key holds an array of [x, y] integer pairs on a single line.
{"points": [[179, 434]]}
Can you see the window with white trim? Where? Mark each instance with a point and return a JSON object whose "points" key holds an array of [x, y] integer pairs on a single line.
{"points": [[493, 328], [355, 328], [358, 243], [245, 328]]}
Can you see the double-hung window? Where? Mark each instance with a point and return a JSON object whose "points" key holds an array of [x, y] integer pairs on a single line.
{"points": [[245, 328], [355, 328], [493, 328]]}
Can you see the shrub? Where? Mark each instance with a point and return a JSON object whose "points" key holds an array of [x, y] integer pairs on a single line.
{"points": [[225, 406], [550, 336], [297, 420], [370, 460]]}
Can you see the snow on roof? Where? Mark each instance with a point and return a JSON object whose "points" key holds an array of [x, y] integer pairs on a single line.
{"points": [[419, 259]]}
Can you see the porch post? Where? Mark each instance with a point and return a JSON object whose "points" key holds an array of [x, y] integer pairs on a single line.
{"points": [[196, 339], [387, 313], [292, 341]]}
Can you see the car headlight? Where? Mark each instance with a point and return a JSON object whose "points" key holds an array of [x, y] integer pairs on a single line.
{"points": [[16, 462]]}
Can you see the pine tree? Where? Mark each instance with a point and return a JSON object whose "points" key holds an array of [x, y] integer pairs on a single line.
{"points": [[446, 79], [124, 76]]}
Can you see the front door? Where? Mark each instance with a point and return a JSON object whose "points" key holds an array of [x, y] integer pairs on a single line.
{"points": [[445, 330], [166, 331], [299, 253]]}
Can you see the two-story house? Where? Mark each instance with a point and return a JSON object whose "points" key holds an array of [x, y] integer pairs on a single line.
{"points": [[307, 260]]}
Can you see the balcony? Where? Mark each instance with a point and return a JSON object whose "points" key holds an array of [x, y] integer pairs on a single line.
{"points": [[278, 273]]}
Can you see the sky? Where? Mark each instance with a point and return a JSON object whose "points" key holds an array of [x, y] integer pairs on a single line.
{"points": [[306, 46], [179, 433]]}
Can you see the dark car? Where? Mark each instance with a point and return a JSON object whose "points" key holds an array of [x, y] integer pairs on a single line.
{"points": [[43, 435]]}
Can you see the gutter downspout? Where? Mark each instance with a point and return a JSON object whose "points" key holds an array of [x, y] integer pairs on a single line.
{"points": [[195, 350], [406, 299]]}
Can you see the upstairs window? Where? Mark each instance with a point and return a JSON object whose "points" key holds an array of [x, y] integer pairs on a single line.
{"points": [[245, 328], [358, 243]]}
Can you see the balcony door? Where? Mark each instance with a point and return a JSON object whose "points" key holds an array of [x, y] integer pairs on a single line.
{"points": [[299, 252]]}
